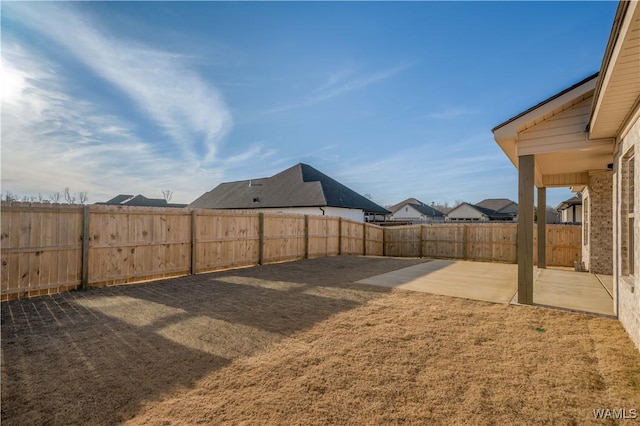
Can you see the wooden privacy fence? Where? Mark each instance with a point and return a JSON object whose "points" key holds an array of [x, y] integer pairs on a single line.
{"points": [[48, 248], [490, 242]]}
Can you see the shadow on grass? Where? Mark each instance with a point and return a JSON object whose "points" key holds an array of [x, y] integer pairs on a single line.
{"points": [[97, 356]]}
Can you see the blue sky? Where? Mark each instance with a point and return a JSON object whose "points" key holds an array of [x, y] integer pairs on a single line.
{"points": [[395, 100]]}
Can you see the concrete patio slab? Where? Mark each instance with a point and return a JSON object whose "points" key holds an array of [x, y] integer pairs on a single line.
{"points": [[607, 282], [490, 282], [496, 282], [572, 290]]}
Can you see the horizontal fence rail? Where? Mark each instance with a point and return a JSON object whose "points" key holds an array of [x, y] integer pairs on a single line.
{"points": [[49, 248], [481, 242]]}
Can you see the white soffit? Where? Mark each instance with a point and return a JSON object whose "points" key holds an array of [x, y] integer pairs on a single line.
{"points": [[619, 93]]}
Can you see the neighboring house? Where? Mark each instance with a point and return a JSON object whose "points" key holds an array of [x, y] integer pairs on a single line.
{"points": [[571, 210], [587, 137], [300, 189], [412, 210], [491, 209], [501, 206], [553, 216], [139, 201]]}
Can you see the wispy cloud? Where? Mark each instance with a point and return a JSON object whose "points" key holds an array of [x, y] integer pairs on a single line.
{"points": [[189, 110], [52, 139], [334, 79], [450, 113], [340, 84]]}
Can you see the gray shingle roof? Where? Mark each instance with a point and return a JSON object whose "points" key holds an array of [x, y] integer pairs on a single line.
{"points": [[492, 214], [495, 204], [139, 201], [297, 186], [573, 201], [119, 199], [484, 210], [419, 206]]}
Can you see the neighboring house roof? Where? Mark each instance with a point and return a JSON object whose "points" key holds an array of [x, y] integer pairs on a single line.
{"points": [[495, 204], [418, 205], [479, 209], [297, 186], [484, 210], [139, 201], [119, 199], [573, 201]]}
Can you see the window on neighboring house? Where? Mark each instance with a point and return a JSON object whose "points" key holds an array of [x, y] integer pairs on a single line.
{"points": [[406, 209]]}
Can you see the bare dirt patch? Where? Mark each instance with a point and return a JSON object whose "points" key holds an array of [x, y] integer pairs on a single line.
{"points": [[300, 343]]}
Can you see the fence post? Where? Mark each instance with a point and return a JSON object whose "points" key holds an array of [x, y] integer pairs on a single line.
{"points": [[339, 236], [465, 242], [306, 236], [194, 265], [421, 251], [261, 238], [384, 241], [364, 239], [85, 247]]}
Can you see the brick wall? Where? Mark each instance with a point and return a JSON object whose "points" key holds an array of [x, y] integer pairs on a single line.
{"points": [[600, 250]]}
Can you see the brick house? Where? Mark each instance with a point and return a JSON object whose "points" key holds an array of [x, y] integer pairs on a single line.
{"points": [[587, 137]]}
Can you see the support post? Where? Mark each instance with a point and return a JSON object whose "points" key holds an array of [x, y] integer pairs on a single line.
{"points": [[542, 227], [306, 236], [525, 228], [194, 265], [261, 238], [85, 247]]}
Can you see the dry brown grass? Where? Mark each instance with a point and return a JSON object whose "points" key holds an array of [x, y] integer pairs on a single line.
{"points": [[298, 343]]}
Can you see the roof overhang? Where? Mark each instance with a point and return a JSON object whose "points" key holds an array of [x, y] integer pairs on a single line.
{"points": [[617, 96], [566, 155], [555, 131]]}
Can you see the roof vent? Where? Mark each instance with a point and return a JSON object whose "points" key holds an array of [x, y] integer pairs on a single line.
{"points": [[256, 200]]}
